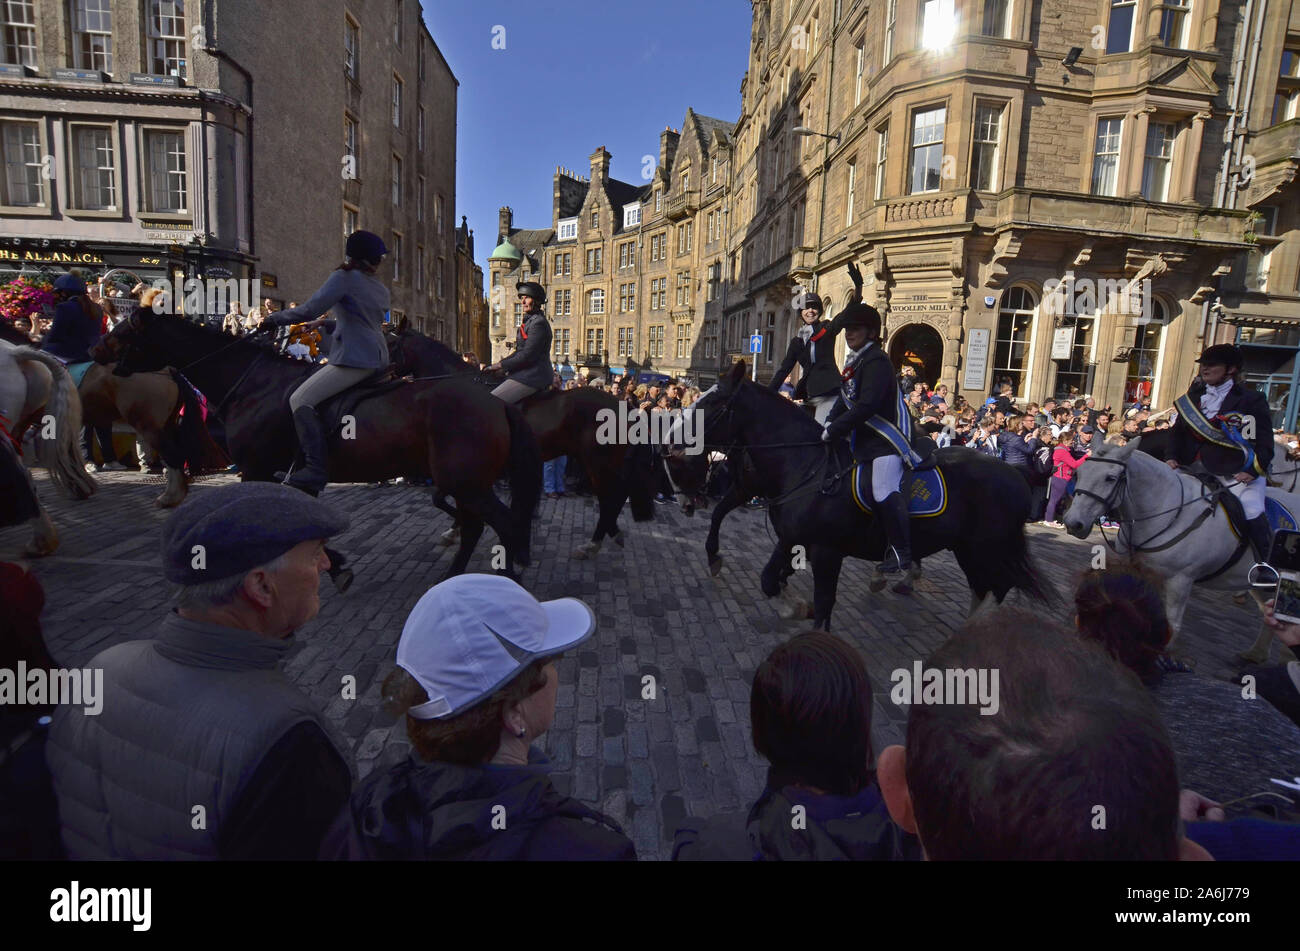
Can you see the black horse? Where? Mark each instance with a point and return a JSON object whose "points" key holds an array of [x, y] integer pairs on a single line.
{"points": [[566, 423], [447, 430], [982, 523]]}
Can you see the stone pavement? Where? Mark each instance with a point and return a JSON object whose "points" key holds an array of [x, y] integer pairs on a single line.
{"points": [[647, 763]]}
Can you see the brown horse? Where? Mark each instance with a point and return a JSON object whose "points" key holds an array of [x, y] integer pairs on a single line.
{"points": [[448, 430], [566, 424], [151, 404]]}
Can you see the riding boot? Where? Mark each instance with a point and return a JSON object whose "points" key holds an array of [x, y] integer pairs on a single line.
{"points": [[898, 532], [312, 476], [1261, 537]]}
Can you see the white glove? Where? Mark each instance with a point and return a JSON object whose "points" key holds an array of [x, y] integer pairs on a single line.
{"points": [[826, 434]]}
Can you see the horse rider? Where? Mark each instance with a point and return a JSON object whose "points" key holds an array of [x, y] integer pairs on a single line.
{"points": [[813, 348], [359, 299], [528, 369], [871, 409], [78, 321], [1215, 422]]}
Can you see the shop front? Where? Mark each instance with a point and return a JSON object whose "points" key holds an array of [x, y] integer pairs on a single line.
{"points": [[1270, 348]]}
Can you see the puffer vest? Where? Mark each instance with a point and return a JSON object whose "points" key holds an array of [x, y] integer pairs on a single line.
{"points": [[185, 721]]}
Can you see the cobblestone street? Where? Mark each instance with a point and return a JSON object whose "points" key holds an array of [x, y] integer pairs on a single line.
{"points": [[647, 763]]}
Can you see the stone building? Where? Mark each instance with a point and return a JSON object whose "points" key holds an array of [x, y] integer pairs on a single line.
{"points": [[471, 305], [972, 157], [632, 272], [180, 139]]}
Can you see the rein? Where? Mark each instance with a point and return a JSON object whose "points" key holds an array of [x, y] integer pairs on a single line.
{"points": [[1117, 503]]}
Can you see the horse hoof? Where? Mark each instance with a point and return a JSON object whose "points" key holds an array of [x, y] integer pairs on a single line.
{"points": [[342, 579], [40, 551], [584, 552], [1239, 597], [901, 587], [715, 566], [163, 502], [876, 584], [448, 537], [620, 540], [1253, 658]]}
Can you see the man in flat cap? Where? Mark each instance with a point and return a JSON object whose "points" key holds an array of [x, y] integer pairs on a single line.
{"points": [[202, 748]]}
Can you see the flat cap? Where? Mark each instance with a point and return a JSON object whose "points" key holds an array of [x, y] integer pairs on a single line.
{"points": [[240, 527]]}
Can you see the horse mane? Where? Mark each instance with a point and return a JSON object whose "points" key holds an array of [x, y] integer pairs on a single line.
{"points": [[787, 406], [219, 338], [437, 348]]}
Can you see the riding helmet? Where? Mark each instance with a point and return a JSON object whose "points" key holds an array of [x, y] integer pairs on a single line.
{"points": [[805, 301], [859, 314], [533, 290], [1221, 355], [366, 246], [70, 284]]}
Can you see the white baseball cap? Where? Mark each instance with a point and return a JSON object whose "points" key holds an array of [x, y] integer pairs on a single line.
{"points": [[472, 634]]}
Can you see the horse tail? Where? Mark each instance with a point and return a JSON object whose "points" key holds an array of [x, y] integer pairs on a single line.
{"points": [[1023, 576], [525, 465], [183, 445], [62, 454]]}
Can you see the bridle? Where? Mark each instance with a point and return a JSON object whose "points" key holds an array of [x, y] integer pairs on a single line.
{"points": [[1116, 503]]}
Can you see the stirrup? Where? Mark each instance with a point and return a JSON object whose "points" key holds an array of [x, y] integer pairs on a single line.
{"points": [[1250, 575]]}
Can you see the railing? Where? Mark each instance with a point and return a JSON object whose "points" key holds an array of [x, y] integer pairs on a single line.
{"points": [[679, 206], [920, 209]]}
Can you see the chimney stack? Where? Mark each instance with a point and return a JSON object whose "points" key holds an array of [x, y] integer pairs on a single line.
{"points": [[505, 221], [600, 165], [668, 140]]}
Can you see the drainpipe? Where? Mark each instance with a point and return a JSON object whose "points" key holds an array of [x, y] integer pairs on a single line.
{"points": [[826, 148], [1255, 40], [1238, 66], [209, 31]]}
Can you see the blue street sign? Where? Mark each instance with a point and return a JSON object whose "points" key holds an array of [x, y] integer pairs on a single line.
{"points": [[756, 343]]}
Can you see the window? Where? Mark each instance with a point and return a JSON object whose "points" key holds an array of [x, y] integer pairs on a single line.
{"points": [[627, 254], [1105, 163], [658, 291], [1119, 33], [684, 289], [351, 43], [861, 52], [937, 24], [96, 179], [626, 298], [397, 181], [1015, 323], [419, 198], [1286, 103], [850, 190], [568, 229], [595, 220], [1159, 158], [438, 275], [566, 298], [684, 234], [713, 174], [659, 247], [397, 102], [715, 277], [882, 157], [595, 262], [595, 342], [397, 23], [1174, 20], [927, 149], [560, 344], [166, 172], [659, 200], [631, 216], [796, 225], [167, 37], [437, 213], [625, 342], [92, 34], [419, 267], [1146, 350], [984, 151], [397, 257], [24, 181], [519, 315], [656, 348], [419, 128], [683, 341], [19, 20], [891, 17], [596, 301], [350, 142], [995, 18], [686, 180], [349, 221], [1074, 377]]}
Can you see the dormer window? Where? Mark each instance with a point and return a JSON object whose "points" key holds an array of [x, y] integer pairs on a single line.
{"points": [[686, 180], [659, 200], [568, 229], [631, 215]]}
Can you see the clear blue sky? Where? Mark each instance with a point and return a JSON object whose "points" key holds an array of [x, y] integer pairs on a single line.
{"points": [[574, 76]]}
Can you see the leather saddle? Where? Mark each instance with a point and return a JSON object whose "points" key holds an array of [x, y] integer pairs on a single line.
{"points": [[378, 383]]}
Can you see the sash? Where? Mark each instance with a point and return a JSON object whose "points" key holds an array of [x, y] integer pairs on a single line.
{"points": [[898, 436], [1219, 431]]}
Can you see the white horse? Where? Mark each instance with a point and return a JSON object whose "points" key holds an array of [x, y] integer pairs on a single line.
{"points": [[1283, 473], [1169, 520]]}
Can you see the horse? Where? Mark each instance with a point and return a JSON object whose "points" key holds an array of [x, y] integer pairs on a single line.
{"points": [[50, 404], [566, 423], [448, 430], [811, 504], [1169, 520], [165, 413]]}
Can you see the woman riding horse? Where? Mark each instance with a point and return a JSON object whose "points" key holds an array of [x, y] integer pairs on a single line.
{"points": [[528, 369], [360, 300]]}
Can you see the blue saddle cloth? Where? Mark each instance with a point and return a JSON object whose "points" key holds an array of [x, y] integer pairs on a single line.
{"points": [[926, 490], [1279, 516], [78, 372]]}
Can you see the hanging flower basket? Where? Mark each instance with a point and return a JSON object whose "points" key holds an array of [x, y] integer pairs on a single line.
{"points": [[25, 297]]}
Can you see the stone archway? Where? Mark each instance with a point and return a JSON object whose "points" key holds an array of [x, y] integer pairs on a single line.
{"points": [[920, 346]]}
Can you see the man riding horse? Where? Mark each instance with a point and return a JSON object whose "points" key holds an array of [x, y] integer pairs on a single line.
{"points": [[872, 412], [1228, 428], [528, 369], [359, 300]]}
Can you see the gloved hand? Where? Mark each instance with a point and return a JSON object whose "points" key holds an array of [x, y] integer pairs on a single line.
{"points": [[826, 434], [855, 275]]}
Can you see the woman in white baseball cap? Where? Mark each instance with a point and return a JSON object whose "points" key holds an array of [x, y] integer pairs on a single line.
{"points": [[476, 680]]}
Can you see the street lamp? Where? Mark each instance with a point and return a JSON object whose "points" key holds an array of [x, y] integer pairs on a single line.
{"points": [[804, 130]]}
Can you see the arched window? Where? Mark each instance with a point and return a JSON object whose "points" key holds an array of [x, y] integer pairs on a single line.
{"points": [[1010, 351], [1146, 351]]}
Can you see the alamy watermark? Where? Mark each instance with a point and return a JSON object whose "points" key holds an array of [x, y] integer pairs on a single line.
{"points": [[1085, 297], [957, 686], [626, 426], [59, 687], [205, 296]]}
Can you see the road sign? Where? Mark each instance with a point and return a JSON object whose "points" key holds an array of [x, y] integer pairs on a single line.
{"points": [[756, 343]]}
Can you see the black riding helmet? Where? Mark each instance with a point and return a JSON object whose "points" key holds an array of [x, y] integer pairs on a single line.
{"points": [[859, 314], [533, 290], [805, 301], [1222, 355], [365, 246]]}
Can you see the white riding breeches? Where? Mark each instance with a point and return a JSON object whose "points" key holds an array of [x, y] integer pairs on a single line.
{"points": [[1252, 496], [886, 476], [822, 406]]}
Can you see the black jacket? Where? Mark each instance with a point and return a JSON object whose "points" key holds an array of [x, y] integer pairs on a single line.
{"points": [[1017, 450], [1186, 446], [870, 388], [440, 811], [821, 375], [72, 332], [834, 828], [530, 364]]}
